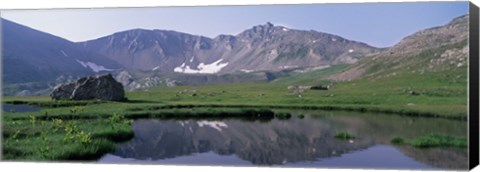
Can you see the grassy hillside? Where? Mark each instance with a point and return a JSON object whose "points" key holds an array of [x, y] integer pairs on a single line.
{"points": [[435, 93], [312, 77]]}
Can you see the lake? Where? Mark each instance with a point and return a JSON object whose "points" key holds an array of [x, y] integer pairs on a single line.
{"points": [[304, 140], [18, 108]]}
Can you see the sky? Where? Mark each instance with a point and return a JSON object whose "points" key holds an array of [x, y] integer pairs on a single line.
{"points": [[377, 24]]}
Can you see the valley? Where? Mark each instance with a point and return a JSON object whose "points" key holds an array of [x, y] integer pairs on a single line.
{"points": [[300, 88]]}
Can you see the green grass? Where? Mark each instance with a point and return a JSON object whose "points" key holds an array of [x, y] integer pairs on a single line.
{"points": [[440, 94], [57, 139], [42, 102], [311, 78], [344, 136], [434, 140], [397, 140], [283, 115]]}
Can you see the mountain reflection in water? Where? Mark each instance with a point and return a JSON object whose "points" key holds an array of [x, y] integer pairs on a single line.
{"points": [[371, 157], [307, 142]]}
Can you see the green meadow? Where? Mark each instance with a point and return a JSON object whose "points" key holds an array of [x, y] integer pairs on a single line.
{"points": [[85, 130]]}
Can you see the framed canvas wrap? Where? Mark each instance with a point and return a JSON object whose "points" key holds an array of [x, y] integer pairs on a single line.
{"points": [[387, 85]]}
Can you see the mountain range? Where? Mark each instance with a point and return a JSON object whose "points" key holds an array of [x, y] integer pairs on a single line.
{"points": [[34, 61], [261, 48]]}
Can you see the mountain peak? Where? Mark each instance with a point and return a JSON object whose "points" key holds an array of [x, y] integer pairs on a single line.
{"points": [[268, 24]]}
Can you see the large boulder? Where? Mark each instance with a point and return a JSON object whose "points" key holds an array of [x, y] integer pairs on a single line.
{"points": [[102, 87], [63, 91]]}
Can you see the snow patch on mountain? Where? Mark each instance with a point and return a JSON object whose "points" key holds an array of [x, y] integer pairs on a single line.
{"points": [[93, 66], [184, 69], [288, 67], [212, 68], [246, 70]]}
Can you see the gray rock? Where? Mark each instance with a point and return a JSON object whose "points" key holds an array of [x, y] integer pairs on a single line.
{"points": [[102, 87], [63, 91], [320, 87], [299, 87], [172, 83]]}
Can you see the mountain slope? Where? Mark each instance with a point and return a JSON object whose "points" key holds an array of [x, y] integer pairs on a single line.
{"points": [[438, 49], [31, 56], [261, 48]]}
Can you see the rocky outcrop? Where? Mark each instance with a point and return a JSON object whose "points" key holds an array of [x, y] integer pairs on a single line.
{"points": [[102, 87], [63, 91]]}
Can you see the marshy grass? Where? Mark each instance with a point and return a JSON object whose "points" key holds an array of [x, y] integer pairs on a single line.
{"points": [[56, 139], [433, 140], [283, 115], [436, 140], [53, 103], [344, 136], [397, 140]]}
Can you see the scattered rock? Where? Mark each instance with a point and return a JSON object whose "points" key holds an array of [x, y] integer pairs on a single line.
{"points": [[172, 83], [102, 87], [320, 87], [414, 93], [292, 87], [299, 87]]}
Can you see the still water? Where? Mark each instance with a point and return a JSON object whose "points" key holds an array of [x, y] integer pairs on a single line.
{"points": [[18, 108], [296, 142]]}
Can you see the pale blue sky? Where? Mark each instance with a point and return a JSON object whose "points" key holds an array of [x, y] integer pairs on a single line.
{"points": [[377, 24]]}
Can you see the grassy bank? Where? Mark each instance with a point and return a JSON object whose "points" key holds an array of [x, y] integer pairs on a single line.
{"points": [[56, 139], [76, 136], [433, 140]]}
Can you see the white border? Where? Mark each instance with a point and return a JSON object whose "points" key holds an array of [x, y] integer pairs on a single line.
{"points": [[51, 4], [48, 4]]}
